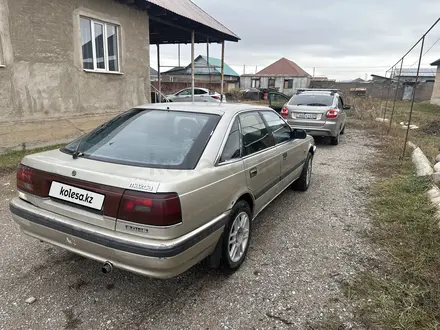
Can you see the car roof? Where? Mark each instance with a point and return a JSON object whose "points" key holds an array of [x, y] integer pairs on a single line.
{"points": [[206, 89], [204, 107]]}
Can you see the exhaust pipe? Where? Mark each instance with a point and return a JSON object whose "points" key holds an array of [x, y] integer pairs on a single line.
{"points": [[107, 268]]}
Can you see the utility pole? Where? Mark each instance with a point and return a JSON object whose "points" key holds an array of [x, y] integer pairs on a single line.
{"points": [[244, 68], [313, 72]]}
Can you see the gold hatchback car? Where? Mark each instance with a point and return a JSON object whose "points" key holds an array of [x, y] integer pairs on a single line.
{"points": [[161, 187]]}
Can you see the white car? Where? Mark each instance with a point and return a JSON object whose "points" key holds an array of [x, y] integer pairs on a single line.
{"points": [[199, 93]]}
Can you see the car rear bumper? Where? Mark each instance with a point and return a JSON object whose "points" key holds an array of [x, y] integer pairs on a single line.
{"points": [[328, 129], [154, 258]]}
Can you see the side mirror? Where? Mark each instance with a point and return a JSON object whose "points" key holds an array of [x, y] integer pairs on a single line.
{"points": [[346, 107], [298, 134]]}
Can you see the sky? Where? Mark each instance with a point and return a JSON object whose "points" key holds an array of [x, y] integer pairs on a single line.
{"points": [[339, 39]]}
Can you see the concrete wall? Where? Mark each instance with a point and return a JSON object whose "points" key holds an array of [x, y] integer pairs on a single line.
{"points": [[43, 75], [298, 82], [435, 97], [378, 89]]}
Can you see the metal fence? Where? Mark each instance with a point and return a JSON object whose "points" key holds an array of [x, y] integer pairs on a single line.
{"points": [[394, 81]]}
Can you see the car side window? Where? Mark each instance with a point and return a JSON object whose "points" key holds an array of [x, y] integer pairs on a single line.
{"points": [[185, 92], [340, 103], [277, 100], [199, 91], [280, 129], [255, 134], [232, 149]]}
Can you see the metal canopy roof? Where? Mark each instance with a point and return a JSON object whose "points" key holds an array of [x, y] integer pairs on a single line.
{"points": [[171, 22]]}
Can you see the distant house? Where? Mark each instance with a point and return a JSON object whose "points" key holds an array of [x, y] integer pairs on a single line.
{"points": [[408, 78], [435, 98], [409, 75], [153, 74], [204, 73], [284, 75], [379, 79], [321, 78]]}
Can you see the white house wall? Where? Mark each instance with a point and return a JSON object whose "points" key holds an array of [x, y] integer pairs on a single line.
{"points": [[298, 82]]}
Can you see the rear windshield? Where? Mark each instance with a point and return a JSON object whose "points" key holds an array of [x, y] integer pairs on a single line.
{"points": [[312, 100], [150, 138]]}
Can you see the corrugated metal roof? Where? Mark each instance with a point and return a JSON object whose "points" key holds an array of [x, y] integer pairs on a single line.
{"points": [[436, 62], [412, 72], [218, 63], [212, 62], [284, 68], [190, 10], [153, 72]]}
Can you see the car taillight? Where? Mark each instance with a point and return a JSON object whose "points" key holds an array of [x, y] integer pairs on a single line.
{"points": [[25, 179], [215, 97], [150, 209], [285, 112], [332, 114]]}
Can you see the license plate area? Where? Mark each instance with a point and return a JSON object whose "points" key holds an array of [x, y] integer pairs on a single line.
{"points": [[74, 195], [302, 115]]}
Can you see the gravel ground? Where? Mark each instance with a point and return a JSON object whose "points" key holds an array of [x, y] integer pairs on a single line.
{"points": [[303, 246]]}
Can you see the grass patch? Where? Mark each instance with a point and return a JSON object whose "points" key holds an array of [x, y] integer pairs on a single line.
{"points": [[401, 290], [425, 115], [10, 161]]}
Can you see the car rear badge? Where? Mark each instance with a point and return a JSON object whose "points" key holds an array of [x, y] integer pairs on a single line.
{"points": [[73, 173]]}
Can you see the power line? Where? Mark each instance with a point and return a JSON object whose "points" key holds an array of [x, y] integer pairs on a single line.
{"points": [[426, 52], [422, 38]]}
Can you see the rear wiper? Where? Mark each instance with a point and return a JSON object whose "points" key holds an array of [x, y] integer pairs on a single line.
{"points": [[78, 152]]}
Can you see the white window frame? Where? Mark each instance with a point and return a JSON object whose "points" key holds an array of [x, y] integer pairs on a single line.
{"points": [[105, 41], [257, 82]]}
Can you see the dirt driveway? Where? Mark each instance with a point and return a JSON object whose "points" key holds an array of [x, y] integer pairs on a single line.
{"points": [[303, 246]]}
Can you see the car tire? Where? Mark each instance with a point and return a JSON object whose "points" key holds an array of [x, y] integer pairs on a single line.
{"points": [[334, 140], [303, 182], [240, 212]]}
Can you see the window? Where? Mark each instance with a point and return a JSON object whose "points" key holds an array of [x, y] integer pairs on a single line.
{"points": [[288, 83], [277, 99], [312, 100], [271, 83], [254, 133], [151, 138], [280, 129], [340, 103], [255, 83], [99, 45], [232, 148], [198, 91], [185, 92]]}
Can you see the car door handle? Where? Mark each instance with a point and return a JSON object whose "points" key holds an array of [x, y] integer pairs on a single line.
{"points": [[253, 172], [285, 155]]}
